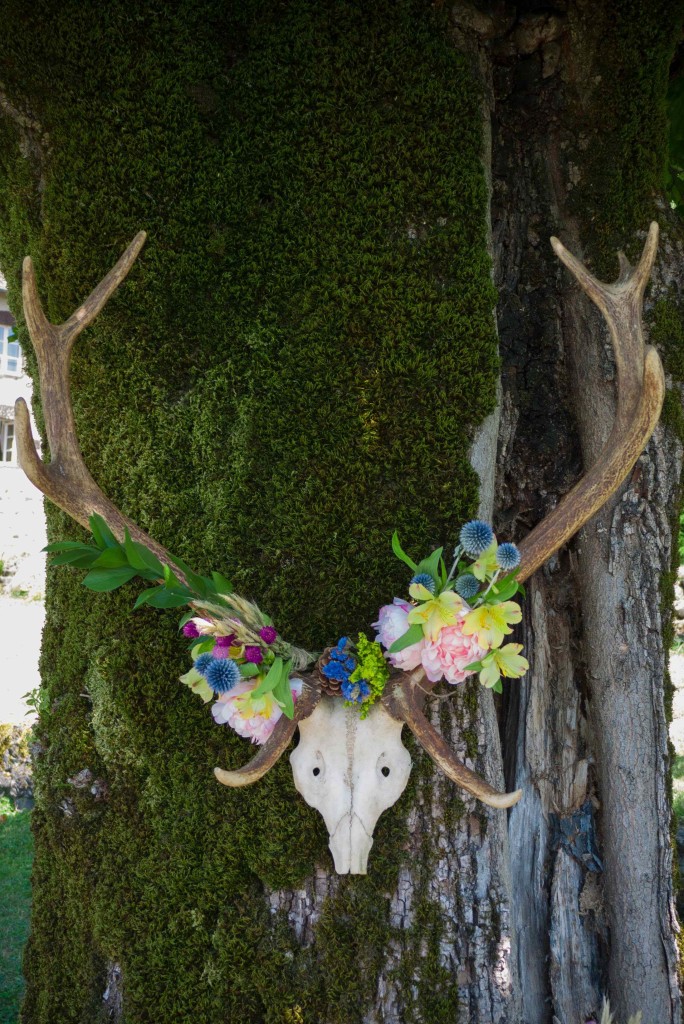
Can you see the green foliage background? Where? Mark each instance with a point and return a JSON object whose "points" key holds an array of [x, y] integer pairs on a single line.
{"points": [[292, 371]]}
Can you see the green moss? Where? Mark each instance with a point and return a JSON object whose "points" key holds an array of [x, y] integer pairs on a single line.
{"points": [[624, 101], [293, 370]]}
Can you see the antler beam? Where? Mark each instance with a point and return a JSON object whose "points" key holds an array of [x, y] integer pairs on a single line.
{"points": [[640, 393], [403, 703], [277, 743], [65, 480]]}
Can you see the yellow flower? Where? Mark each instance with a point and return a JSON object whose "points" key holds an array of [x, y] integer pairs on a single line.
{"points": [[506, 661], [486, 565], [434, 612], [491, 622]]}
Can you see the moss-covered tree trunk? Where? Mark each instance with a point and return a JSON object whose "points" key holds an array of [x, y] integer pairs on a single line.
{"points": [[298, 365]]}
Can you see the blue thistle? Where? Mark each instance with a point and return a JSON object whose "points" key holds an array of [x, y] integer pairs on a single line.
{"points": [[203, 662], [424, 579], [222, 674], [508, 557], [476, 537], [356, 692], [466, 586]]}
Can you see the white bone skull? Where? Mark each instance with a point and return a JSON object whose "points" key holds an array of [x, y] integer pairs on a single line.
{"points": [[351, 770]]}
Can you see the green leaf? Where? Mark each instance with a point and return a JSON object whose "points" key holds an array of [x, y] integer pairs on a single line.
{"points": [[202, 645], [400, 553], [475, 666], [171, 581], [497, 687], [413, 635], [442, 573], [502, 591], [104, 538], [102, 580], [141, 557], [186, 618], [169, 598], [431, 564], [79, 559], [197, 582], [67, 545], [270, 681], [111, 558], [248, 670], [283, 693], [223, 586]]}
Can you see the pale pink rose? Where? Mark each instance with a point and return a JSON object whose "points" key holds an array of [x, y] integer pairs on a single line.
{"points": [[253, 718], [393, 623], [448, 656]]}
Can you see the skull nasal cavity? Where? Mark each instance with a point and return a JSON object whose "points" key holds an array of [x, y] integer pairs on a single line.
{"points": [[385, 771], [317, 771]]}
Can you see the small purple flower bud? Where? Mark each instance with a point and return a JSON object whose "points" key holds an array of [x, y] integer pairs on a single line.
{"points": [[225, 641], [190, 629], [254, 654], [268, 634]]}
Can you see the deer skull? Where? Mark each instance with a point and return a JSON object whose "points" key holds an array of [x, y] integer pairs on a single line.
{"points": [[351, 770]]}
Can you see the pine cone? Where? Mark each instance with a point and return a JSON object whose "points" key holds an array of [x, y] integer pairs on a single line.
{"points": [[330, 687]]}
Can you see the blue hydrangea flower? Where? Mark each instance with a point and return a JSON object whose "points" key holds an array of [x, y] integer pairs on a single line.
{"points": [[336, 670], [356, 692], [425, 580], [508, 557], [222, 674], [203, 662], [476, 537], [466, 586]]}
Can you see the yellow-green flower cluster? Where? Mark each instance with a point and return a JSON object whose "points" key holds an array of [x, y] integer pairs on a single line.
{"points": [[372, 668]]}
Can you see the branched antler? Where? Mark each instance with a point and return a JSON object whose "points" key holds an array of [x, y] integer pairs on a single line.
{"points": [[65, 479], [640, 393]]}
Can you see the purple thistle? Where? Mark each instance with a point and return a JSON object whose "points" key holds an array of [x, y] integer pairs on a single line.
{"points": [[268, 634], [254, 654], [190, 629]]}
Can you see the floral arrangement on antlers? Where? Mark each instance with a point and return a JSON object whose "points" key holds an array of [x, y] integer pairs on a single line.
{"points": [[453, 625]]}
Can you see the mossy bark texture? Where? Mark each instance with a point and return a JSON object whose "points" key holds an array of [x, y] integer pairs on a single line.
{"points": [[294, 369]]}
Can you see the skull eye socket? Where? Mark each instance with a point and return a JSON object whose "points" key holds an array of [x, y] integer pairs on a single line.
{"points": [[385, 771]]}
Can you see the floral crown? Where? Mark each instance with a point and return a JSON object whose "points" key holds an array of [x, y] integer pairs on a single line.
{"points": [[452, 625]]}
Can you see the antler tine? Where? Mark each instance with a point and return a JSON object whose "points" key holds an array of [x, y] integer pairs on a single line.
{"points": [[640, 393], [277, 743], [66, 480], [402, 704]]}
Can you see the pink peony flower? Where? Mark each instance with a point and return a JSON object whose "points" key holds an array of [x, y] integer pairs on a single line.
{"points": [[448, 656], [393, 623], [251, 717]]}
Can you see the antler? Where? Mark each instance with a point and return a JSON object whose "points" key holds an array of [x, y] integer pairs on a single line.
{"points": [[277, 743], [641, 388], [640, 393], [66, 480], [403, 703]]}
